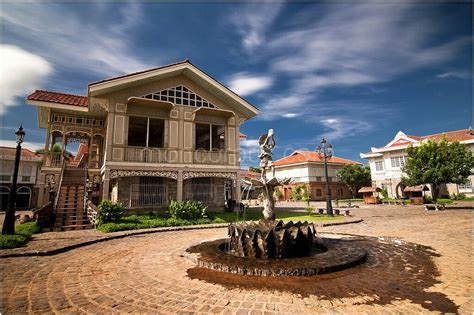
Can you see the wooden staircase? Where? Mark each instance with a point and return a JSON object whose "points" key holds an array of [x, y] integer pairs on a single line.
{"points": [[69, 212]]}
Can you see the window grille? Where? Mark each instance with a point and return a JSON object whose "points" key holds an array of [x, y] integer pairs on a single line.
{"points": [[397, 161], [201, 190], [148, 191], [379, 165], [180, 95]]}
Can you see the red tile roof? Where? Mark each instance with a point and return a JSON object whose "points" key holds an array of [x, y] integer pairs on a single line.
{"points": [[309, 156], [11, 152], [246, 174], [59, 98], [456, 135], [242, 136]]}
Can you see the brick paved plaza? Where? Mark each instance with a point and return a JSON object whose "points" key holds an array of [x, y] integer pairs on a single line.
{"points": [[147, 273]]}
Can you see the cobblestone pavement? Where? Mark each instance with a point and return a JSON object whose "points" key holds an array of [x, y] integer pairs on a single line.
{"points": [[147, 274]]}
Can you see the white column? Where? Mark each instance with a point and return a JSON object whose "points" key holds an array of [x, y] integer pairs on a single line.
{"points": [[179, 186], [237, 188]]}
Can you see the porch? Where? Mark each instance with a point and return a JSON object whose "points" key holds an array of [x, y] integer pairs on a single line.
{"points": [[154, 190]]}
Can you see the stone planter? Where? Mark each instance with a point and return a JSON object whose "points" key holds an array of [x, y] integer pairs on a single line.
{"points": [[337, 211], [347, 213]]}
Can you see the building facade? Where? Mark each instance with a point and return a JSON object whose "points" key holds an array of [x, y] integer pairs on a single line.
{"points": [[386, 163], [26, 189], [307, 168], [146, 138]]}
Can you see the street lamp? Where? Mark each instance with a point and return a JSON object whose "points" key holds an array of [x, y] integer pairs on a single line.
{"points": [[9, 223], [325, 152]]}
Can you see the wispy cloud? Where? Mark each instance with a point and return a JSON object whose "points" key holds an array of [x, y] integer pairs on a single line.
{"points": [[253, 20], [246, 84], [20, 72], [342, 46], [60, 35], [454, 75]]}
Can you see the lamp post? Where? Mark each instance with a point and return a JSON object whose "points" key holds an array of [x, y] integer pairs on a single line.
{"points": [[325, 152], [9, 223]]}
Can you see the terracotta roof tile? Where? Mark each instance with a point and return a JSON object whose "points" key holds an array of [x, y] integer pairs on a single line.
{"points": [[11, 152], [59, 98], [308, 156], [456, 135]]}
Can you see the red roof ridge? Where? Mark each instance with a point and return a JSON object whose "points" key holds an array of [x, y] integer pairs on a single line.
{"points": [[140, 72], [59, 98], [444, 132]]}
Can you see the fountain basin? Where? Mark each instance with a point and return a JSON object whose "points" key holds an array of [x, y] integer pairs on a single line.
{"points": [[338, 255]]}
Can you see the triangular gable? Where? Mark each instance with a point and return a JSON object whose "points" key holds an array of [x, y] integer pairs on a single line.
{"points": [[400, 139], [186, 68]]}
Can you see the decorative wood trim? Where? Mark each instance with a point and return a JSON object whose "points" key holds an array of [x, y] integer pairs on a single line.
{"points": [[191, 174], [127, 173]]}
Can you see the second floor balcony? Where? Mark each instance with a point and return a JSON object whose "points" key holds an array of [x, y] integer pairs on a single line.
{"points": [[162, 155]]}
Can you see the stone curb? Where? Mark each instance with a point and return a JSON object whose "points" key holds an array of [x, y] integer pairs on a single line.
{"points": [[142, 232]]}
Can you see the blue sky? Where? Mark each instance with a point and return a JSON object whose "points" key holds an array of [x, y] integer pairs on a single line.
{"points": [[355, 73]]}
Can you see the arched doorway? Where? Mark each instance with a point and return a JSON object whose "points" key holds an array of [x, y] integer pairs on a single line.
{"points": [[23, 197], [399, 189]]}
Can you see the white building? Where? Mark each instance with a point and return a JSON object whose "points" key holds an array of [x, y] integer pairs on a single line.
{"points": [[386, 162], [26, 181]]}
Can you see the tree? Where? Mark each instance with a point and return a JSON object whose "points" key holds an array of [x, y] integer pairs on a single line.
{"points": [[355, 176], [438, 163], [255, 169]]}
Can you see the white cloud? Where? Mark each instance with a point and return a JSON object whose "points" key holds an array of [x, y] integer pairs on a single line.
{"points": [[249, 143], [253, 20], [340, 127], [33, 146], [20, 73], [246, 84], [60, 35], [341, 46], [454, 75]]}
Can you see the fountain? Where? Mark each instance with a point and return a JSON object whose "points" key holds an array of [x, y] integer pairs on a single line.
{"points": [[270, 247]]}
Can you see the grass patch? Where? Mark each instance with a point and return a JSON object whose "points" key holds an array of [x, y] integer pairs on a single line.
{"points": [[23, 233], [255, 215], [136, 222], [405, 201], [352, 200]]}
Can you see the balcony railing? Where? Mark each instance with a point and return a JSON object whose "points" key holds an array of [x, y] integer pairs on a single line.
{"points": [[210, 157], [149, 155], [160, 155]]}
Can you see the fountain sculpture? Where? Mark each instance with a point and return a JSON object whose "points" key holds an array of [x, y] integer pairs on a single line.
{"points": [[273, 248]]}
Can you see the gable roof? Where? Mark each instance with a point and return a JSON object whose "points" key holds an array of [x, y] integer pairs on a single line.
{"points": [[58, 98], [182, 67], [457, 135], [309, 156]]}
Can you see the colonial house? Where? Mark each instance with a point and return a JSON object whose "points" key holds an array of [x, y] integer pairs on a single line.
{"points": [[386, 162], [306, 167], [149, 137], [26, 190]]}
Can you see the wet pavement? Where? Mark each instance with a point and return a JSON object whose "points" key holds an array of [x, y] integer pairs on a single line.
{"points": [[425, 266]]}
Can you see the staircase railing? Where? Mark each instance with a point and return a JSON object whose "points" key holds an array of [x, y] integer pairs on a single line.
{"points": [[56, 198], [86, 189]]}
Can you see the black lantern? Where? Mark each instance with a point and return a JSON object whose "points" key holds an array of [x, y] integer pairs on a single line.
{"points": [[9, 223]]}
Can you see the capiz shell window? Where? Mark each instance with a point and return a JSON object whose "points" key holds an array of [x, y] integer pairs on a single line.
{"points": [[210, 137], [146, 132]]}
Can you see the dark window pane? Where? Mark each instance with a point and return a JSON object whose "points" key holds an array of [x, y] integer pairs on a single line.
{"points": [[156, 133], [137, 131], [218, 137], [202, 136]]}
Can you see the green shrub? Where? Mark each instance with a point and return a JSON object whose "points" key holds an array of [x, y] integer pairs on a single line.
{"points": [[109, 211], [384, 193], [278, 194], [12, 241], [187, 210], [428, 199], [27, 229], [459, 196], [309, 210]]}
